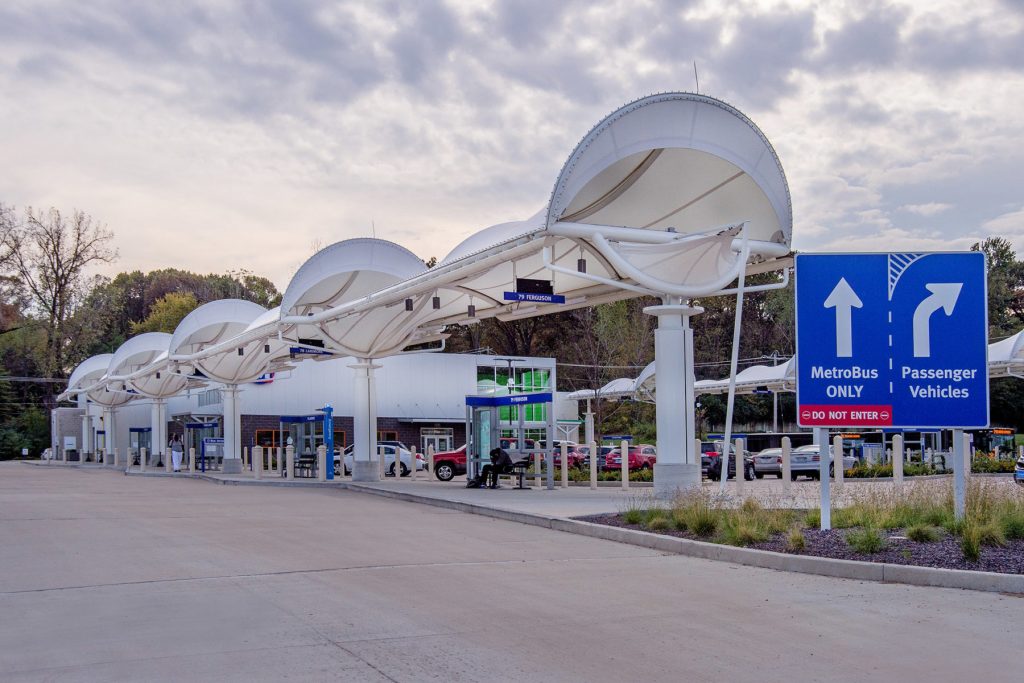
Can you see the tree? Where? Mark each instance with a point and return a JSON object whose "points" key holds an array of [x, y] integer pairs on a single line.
{"points": [[1005, 286], [50, 253], [166, 313]]}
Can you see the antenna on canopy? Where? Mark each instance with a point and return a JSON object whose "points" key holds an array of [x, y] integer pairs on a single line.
{"points": [[695, 78], [373, 227]]}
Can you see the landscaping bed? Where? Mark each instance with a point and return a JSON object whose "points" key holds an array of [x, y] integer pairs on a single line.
{"points": [[904, 526]]}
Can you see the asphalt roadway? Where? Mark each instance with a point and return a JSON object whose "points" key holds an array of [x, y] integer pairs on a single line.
{"points": [[107, 577]]}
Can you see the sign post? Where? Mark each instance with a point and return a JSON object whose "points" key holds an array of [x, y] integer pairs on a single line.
{"points": [[892, 340]]}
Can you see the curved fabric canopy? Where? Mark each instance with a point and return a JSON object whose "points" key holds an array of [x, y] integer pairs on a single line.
{"points": [[350, 271], [1006, 357], [199, 341], [141, 364], [673, 195], [90, 378]]}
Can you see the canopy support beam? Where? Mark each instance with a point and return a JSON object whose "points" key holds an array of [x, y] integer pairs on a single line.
{"points": [[232, 463], [364, 419], [678, 466]]}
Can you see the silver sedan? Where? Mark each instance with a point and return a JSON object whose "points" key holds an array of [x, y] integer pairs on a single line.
{"points": [[806, 461], [768, 461]]}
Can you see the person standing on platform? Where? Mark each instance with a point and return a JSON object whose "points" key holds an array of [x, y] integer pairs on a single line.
{"points": [[177, 448]]}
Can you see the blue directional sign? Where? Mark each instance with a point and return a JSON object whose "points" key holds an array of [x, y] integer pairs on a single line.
{"points": [[535, 297], [892, 340]]}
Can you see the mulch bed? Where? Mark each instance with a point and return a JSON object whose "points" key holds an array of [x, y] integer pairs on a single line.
{"points": [[944, 554]]}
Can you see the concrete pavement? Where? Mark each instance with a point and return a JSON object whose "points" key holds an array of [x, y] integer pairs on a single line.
{"points": [[107, 577]]}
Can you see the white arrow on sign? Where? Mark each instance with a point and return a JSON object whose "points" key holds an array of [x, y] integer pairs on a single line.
{"points": [[944, 296], [843, 299]]}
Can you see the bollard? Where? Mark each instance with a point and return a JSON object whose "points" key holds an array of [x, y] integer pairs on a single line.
{"points": [[959, 458], [897, 459], [967, 456], [381, 470], [837, 458], [192, 460], [536, 470], [115, 457], [415, 464], [167, 462], [565, 465], [624, 464], [257, 462], [321, 463], [593, 465], [142, 459], [787, 470], [741, 469], [289, 457], [430, 461]]}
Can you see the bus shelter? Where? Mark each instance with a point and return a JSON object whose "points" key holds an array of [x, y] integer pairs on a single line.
{"points": [[139, 438], [494, 421]]}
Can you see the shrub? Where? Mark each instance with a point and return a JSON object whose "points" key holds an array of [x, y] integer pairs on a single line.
{"points": [[743, 532], [970, 543], [991, 534], [923, 533], [658, 522], [813, 519], [867, 540], [633, 516], [795, 540], [989, 466], [1013, 524], [702, 522], [696, 512]]}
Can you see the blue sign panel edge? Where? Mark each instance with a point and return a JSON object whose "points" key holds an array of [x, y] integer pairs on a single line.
{"points": [[796, 319]]}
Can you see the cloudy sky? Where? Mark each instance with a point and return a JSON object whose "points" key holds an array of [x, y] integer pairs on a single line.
{"points": [[221, 135]]}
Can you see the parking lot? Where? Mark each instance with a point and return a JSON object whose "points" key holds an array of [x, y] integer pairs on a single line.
{"points": [[108, 577]]}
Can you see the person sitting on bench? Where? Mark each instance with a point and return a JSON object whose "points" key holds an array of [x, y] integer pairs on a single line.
{"points": [[501, 463]]}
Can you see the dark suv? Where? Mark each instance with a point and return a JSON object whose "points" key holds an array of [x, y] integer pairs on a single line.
{"points": [[711, 461]]}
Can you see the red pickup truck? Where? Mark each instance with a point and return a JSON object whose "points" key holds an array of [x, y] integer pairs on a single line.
{"points": [[640, 457]]}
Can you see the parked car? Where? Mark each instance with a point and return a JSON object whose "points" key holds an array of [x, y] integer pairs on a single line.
{"points": [[711, 461], [449, 464], [602, 453], [511, 444], [640, 457], [405, 458], [806, 461], [768, 461], [573, 456], [1018, 471]]}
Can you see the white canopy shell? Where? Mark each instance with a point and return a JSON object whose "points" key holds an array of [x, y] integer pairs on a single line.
{"points": [[207, 328]]}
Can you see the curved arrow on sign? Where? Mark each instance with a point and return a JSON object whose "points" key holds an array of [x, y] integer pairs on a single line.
{"points": [[943, 295]]}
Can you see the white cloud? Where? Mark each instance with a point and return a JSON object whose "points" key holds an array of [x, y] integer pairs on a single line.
{"points": [[929, 209], [232, 135]]}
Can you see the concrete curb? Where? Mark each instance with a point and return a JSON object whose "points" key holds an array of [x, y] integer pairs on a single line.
{"points": [[806, 564]]}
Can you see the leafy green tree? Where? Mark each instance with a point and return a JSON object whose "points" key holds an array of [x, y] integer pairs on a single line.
{"points": [[1005, 286], [166, 313]]}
